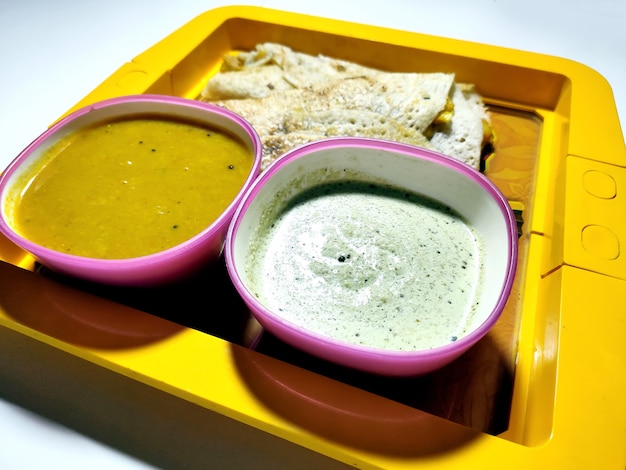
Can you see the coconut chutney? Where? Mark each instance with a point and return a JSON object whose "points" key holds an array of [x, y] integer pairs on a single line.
{"points": [[370, 265]]}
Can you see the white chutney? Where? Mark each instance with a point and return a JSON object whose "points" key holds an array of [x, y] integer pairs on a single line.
{"points": [[369, 265]]}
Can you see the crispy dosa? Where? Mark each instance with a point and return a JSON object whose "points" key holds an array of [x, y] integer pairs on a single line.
{"points": [[292, 98]]}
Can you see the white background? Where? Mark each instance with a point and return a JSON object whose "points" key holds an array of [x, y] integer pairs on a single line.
{"points": [[53, 52]]}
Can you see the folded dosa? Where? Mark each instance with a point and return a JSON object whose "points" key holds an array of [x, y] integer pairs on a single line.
{"points": [[292, 98], [273, 68]]}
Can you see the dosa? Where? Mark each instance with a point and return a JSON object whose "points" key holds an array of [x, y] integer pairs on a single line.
{"points": [[292, 98]]}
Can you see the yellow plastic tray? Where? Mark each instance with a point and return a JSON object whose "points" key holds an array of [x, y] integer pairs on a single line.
{"points": [[165, 375]]}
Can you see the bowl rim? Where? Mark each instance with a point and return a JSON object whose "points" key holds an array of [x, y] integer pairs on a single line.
{"points": [[265, 315], [105, 264]]}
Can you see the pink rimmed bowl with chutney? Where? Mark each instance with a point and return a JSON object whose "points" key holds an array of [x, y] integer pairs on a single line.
{"points": [[135, 191], [378, 256]]}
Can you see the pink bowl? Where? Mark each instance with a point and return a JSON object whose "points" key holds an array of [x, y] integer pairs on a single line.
{"points": [[153, 269], [417, 170]]}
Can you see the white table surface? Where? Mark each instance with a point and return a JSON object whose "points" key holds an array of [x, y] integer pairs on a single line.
{"points": [[52, 53]]}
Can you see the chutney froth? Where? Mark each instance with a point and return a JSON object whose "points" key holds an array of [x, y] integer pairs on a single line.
{"points": [[369, 265]]}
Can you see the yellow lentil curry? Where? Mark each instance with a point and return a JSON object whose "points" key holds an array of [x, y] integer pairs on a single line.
{"points": [[131, 187]]}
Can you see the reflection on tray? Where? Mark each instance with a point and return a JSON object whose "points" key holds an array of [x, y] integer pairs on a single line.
{"points": [[206, 302], [475, 390], [329, 409], [90, 315], [74, 316]]}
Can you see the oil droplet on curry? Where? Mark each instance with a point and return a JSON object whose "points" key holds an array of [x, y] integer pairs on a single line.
{"points": [[131, 187]]}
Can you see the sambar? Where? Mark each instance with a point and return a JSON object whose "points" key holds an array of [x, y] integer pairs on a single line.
{"points": [[130, 187], [166, 176]]}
